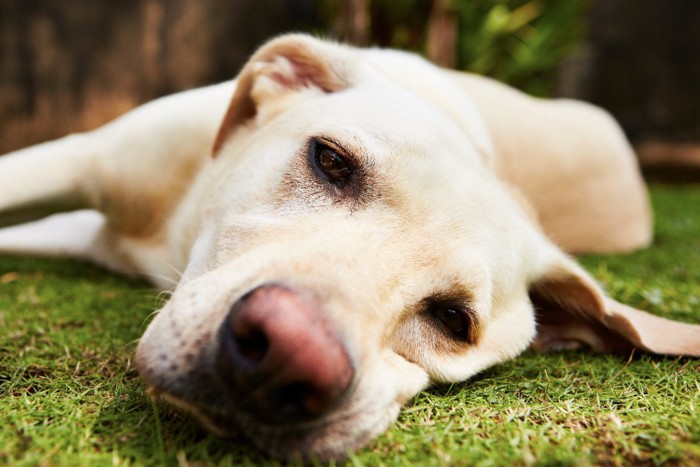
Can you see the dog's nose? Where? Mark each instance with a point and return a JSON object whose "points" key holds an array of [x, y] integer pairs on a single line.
{"points": [[280, 356]]}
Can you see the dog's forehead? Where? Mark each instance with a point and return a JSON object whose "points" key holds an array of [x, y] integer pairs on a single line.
{"points": [[386, 116], [396, 132], [417, 150]]}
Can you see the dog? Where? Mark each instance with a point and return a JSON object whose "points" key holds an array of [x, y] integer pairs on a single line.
{"points": [[345, 226]]}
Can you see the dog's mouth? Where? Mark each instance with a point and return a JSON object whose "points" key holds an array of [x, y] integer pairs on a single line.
{"points": [[275, 372], [331, 437]]}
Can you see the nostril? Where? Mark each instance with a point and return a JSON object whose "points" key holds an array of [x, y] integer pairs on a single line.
{"points": [[303, 398], [291, 397], [243, 347], [252, 345]]}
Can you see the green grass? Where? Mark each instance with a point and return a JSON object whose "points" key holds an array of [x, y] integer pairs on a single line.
{"points": [[69, 394]]}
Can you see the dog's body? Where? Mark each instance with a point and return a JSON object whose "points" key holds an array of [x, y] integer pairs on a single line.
{"points": [[368, 224]]}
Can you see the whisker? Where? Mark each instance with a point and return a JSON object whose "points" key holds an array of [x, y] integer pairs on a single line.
{"points": [[174, 269], [162, 277], [163, 297]]}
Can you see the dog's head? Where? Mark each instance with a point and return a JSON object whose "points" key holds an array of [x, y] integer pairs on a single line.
{"points": [[347, 246]]}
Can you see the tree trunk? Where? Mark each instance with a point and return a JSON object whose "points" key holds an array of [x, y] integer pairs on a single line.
{"points": [[642, 64], [71, 66], [353, 21], [441, 40]]}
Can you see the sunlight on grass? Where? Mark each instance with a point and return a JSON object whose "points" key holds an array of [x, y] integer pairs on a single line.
{"points": [[69, 394]]}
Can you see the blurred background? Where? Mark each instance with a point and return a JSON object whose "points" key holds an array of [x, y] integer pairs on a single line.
{"points": [[71, 65]]}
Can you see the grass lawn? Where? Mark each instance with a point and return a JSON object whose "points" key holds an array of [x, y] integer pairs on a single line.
{"points": [[69, 394]]}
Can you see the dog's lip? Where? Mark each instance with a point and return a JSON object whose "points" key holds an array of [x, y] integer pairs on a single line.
{"points": [[292, 442], [226, 430], [225, 424]]}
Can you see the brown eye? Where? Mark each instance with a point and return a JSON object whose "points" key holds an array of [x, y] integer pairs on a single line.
{"points": [[333, 165], [455, 320]]}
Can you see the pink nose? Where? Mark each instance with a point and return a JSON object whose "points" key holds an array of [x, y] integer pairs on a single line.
{"points": [[280, 357]]}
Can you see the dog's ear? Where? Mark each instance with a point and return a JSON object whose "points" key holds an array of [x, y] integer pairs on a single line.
{"points": [[278, 72], [571, 310]]}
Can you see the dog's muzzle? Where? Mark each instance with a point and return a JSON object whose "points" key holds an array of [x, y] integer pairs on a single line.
{"points": [[279, 357]]}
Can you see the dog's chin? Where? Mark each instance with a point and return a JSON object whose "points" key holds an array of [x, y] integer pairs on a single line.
{"points": [[328, 439]]}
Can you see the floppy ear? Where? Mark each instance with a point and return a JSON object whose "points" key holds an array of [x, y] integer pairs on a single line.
{"points": [[571, 311], [279, 71]]}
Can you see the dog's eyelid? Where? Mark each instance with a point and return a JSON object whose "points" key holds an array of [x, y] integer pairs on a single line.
{"points": [[333, 144], [352, 150], [456, 317]]}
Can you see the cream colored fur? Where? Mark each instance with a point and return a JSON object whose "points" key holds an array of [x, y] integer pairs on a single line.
{"points": [[468, 189]]}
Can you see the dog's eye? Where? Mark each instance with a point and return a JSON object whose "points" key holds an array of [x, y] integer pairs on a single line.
{"points": [[455, 320], [332, 165]]}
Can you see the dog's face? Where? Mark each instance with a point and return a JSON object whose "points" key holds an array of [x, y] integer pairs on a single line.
{"points": [[350, 247]]}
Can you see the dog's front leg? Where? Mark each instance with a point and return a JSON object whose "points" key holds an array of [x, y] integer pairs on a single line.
{"points": [[135, 171], [132, 169], [47, 178]]}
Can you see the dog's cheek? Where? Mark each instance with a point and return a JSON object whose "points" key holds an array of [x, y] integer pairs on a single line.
{"points": [[408, 378], [415, 342], [507, 334]]}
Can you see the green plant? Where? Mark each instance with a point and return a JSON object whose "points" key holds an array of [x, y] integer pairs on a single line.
{"points": [[520, 42]]}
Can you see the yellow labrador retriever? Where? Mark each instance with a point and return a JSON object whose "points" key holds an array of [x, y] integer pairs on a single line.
{"points": [[352, 225]]}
